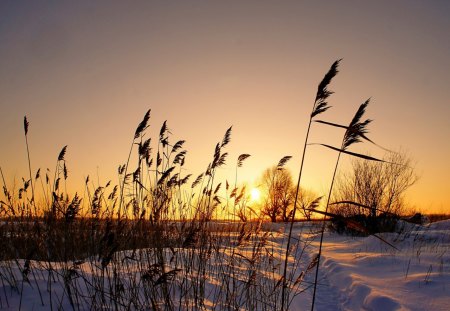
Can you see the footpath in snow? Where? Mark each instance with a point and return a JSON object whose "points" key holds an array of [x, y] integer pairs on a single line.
{"points": [[364, 273]]}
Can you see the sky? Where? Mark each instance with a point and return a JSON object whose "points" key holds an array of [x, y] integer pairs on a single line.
{"points": [[85, 72]]}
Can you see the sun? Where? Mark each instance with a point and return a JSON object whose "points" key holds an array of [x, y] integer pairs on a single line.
{"points": [[255, 194]]}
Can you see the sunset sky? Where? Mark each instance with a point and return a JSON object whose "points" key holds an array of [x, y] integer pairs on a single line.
{"points": [[85, 73]]}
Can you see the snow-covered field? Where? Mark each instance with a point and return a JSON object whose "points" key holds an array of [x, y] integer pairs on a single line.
{"points": [[367, 274], [356, 273]]}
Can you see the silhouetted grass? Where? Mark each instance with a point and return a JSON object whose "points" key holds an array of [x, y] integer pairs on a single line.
{"points": [[149, 242]]}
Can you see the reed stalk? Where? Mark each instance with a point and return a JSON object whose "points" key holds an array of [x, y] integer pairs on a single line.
{"points": [[25, 127], [320, 105], [353, 134]]}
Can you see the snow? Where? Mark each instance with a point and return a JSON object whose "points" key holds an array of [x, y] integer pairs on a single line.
{"points": [[367, 274], [356, 273]]}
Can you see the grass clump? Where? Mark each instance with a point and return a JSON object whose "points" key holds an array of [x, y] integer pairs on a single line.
{"points": [[149, 242]]}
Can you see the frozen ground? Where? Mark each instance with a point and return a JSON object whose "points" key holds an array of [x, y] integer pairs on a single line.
{"points": [[367, 274], [356, 273]]}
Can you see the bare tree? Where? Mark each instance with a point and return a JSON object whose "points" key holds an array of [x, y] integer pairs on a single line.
{"points": [[307, 200], [375, 187], [278, 195]]}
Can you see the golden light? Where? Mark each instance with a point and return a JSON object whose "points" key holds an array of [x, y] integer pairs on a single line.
{"points": [[255, 194]]}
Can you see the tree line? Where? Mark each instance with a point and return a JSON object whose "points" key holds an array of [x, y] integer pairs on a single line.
{"points": [[379, 187]]}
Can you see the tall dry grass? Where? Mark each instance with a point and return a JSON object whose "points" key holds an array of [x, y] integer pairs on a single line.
{"points": [[320, 105], [148, 242]]}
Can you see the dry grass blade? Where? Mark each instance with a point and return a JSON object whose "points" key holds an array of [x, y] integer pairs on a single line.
{"points": [[313, 263], [227, 137], [240, 196], [65, 172], [25, 125], [143, 125], [323, 212], [233, 193], [162, 131], [216, 155], [352, 203], [158, 159], [113, 193], [184, 180], [242, 158], [315, 202], [383, 240], [346, 202], [320, 104], [144, 148], [165, 175], [222, 159], [352, 224], [121, 169], [322, 91], [73, 208], [358, 155], [331, 124], [356, 129], [362, 135], [359, 113], [179, 158], [177, 146], [217, 200], [197, 180], [62, 153], [283, 162], [217, 188]]}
